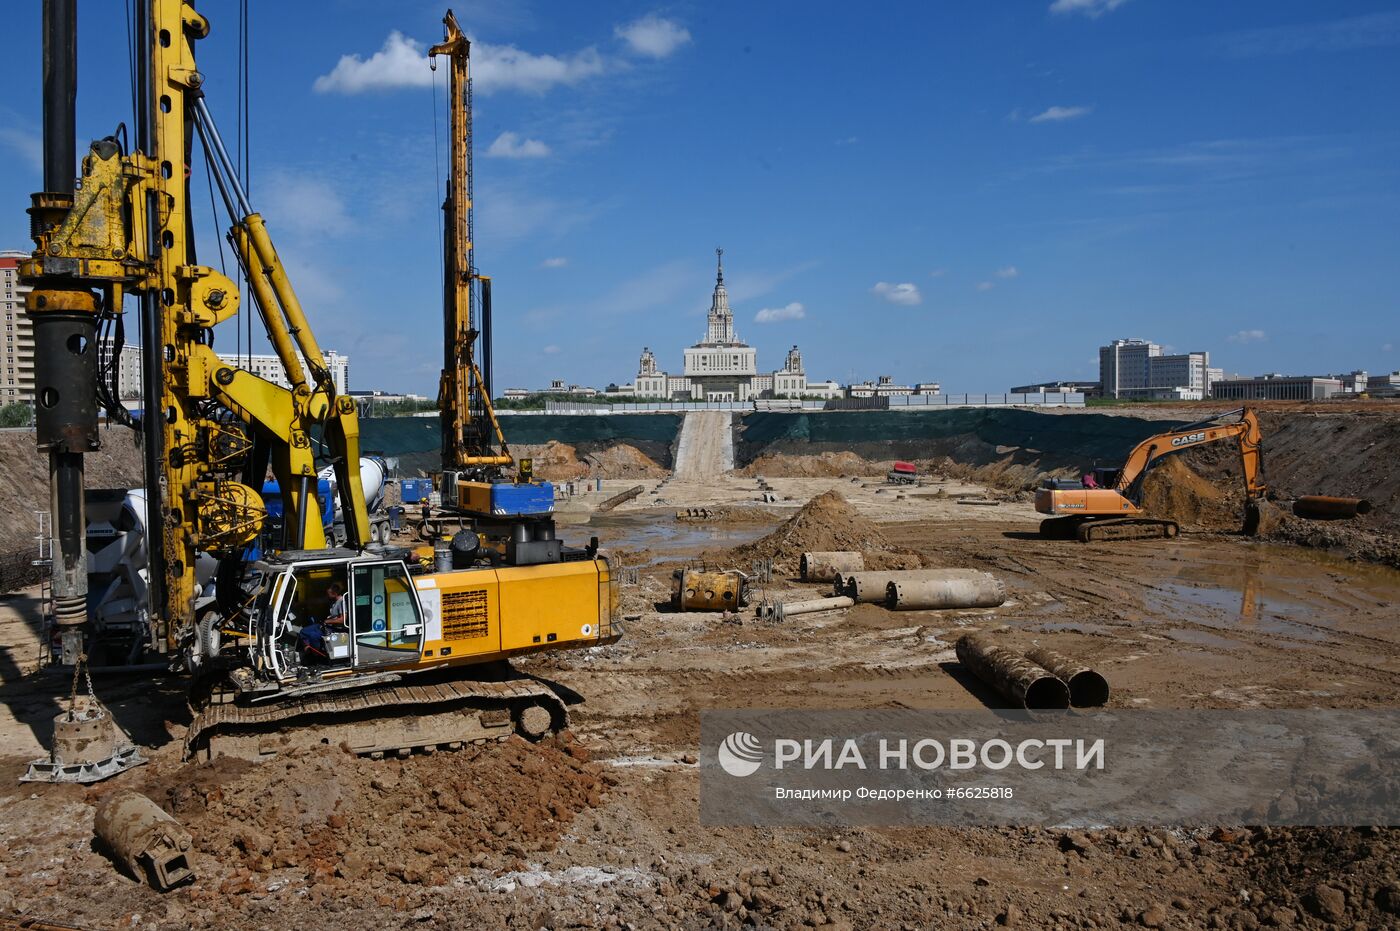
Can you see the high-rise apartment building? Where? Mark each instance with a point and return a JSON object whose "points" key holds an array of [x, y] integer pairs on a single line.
{"points": [[268, 367], [17, 349]]}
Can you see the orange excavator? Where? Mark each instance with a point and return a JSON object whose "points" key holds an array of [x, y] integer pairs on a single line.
{"points": [[1107, 504]]}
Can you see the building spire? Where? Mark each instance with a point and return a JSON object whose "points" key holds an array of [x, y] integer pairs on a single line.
{"points": [[719, 262]]}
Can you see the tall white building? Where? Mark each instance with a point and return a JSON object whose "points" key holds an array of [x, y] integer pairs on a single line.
{"points": [[1136, 368], [268, 367], [17, 351], [721, 367]]}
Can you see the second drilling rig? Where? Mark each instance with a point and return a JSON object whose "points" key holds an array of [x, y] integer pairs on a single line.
{"points": [[507, 520], [309, 644]]}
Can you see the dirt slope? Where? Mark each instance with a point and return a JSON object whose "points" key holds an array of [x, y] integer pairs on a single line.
{"points": [[827, 523], [561, 462], [24, 476]]}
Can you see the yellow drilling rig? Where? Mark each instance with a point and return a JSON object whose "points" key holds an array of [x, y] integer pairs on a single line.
{"points": [[507, 520], [302, 644]]}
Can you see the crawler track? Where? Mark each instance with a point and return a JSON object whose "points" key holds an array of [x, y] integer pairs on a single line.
{"points": [[1126, 528], [379, 720]]}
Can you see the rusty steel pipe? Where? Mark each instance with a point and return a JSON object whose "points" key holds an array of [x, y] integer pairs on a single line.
{"points": [[1325, 507], [823, 567], [1087, 688], [1018, 679]]}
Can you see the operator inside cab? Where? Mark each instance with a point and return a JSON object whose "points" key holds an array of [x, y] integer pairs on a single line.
{"points": [[326, 639]]}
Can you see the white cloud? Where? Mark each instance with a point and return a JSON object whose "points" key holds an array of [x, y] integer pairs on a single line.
{"points": [[905, 293], [305, 205], [1008, 272], [1060, 114], [1371, 30], [653, 36], [985, 285], [27, 146], [1386, 348], [938, 273], [512, 145], [552, 350], [505, 67], [403, 62], [555, 262], [1091, 8], [509, 212], [793, 311], [1248, 336]]}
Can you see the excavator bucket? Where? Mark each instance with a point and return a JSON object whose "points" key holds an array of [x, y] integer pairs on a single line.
{"points": [[1261, 517]]}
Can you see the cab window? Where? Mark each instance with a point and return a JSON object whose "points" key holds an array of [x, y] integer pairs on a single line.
{"points": [[387, 625]]}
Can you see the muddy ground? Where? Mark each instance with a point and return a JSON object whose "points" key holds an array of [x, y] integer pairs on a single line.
{"points": [[601, 827]]}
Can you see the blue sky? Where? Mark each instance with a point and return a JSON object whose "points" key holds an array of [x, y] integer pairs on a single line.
{"points": [[970, 192]]}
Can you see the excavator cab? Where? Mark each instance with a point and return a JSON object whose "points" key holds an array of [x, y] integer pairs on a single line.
{"points": [[300, 634]]}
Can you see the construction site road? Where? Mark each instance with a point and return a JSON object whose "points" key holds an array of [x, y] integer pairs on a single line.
{"points": [[705, 449]]}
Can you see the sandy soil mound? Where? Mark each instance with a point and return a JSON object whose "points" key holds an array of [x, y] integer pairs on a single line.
{"points": [[823, 465], [560, 462], [622, 461], [375, 823], [827, 523], [1173, 491]]}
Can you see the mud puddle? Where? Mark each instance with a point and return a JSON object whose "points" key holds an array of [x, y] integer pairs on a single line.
{"points": [[1292, 594], [663, 537]]}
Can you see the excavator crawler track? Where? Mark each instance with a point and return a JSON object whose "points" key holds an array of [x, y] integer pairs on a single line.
{"points": [[389, 719], [1126, 528]]}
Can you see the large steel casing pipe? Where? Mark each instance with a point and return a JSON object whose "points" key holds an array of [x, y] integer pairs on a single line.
{"points": [[1018, 679], [979, 590], [872, 587], [1087, 688], [824, 567], [1325, 507]]}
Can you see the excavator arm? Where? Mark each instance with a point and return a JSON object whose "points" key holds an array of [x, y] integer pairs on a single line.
{"points": [[1245, 432]]}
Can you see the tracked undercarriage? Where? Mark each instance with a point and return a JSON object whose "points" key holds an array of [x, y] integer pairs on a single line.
{"points": [[1106, 529], [390, 717]]}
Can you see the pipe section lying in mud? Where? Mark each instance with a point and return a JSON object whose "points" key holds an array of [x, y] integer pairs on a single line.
{"points": [[1323, 507], [779, 611], [872, 586], [952, 588], [1015, 677], [144, 839], [1087, 688], [823, 567]]}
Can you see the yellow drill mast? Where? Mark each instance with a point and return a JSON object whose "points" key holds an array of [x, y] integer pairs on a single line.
{"points": [[463, 395]]}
